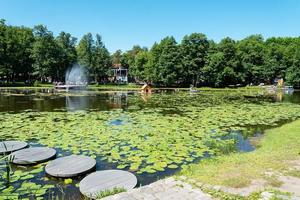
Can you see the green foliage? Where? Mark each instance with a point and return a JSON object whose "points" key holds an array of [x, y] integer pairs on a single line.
{"points": [[195, 126], [106, 193], [194, 50], [85, 50], [294, 172], [174, 132], [101, 60], [94, 56], [67, 54], [239, 169], [36, 83], [44, 52], [27, 54], [164, 63]]}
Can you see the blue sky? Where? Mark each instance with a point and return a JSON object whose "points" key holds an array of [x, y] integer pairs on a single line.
{"points": [[124, 23]]}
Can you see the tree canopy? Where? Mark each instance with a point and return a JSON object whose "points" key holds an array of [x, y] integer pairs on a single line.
{"points": [[36, 54]]}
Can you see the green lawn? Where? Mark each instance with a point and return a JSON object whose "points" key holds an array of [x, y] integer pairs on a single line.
{"points": [[130, 86], [277, 147]]}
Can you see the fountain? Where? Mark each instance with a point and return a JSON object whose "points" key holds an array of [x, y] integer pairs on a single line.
{"points": [[75, 79]]}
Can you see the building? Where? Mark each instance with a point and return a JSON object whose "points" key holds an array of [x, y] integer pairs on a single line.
{"points": [[119, 74]]}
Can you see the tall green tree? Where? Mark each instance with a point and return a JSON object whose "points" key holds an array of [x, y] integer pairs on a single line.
{"points": [[85, 51], [251, 55], [213, 69], [67, 53], [45, 53], [293, 72], [222, 67], [3, 59], [117, 57], [194, 49], [101, 60], [128, 58], [165, 62], [279, 56], [139, 69], [16, 43]]}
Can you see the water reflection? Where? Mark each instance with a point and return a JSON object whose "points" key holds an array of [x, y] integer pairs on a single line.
{"points": [[283, 95], [51, 100], [118, 99], [18, 100], [76, 103]]}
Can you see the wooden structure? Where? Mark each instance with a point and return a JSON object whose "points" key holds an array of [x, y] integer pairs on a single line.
{"points": [[280, 83], [105, 180], [11, 146], [33, 155], [70, 166], [70, 87], [119, 74], [146, 89]]}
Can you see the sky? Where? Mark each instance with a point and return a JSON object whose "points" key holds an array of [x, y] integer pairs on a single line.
{"points": [[124, 23]]}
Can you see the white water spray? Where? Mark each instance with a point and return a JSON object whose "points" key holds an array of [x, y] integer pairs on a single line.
{"points": [[76, 75]]}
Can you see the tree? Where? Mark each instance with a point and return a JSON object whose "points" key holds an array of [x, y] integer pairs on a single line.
{"points": [[15, 43], [138, 70], [101, 60], [128, 58], [45, 52], [165, 62], [251, 53], [293, 72], [3, 67], [279, 56], [232, 72], [67, 53], [213, 69], [194, 49], [85, 50], [117, 57]]}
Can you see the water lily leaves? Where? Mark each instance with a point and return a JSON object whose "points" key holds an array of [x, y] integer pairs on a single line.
{"points": [[134, 166], [68, 181], [173, 166], [122, 166], [166, 132], [29, 176]]}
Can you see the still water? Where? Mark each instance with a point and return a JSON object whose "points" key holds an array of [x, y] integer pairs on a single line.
{"points": [[49, 100], [14, 100]]}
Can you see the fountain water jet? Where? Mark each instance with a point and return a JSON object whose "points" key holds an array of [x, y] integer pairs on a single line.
{"points": [[75, 78]]}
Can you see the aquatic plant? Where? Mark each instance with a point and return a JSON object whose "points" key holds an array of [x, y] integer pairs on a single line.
{"points": [[167, 132]]}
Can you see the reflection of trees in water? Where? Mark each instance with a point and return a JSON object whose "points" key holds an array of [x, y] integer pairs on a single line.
{"points": [[281, 94], [118, 99], [102, 102], [76, 103]]}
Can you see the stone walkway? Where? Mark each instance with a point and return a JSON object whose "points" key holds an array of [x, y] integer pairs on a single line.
{"points": [[166, 189]]}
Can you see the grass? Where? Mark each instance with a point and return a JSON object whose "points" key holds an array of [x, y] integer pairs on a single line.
{"points": [[23, 86], [246, 88], [273, 181], [277, 147], [106, 193], [130, 86], [294, 173]]}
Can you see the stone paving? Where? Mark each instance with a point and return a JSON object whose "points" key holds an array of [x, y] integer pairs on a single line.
{"points": [[166, 189]]}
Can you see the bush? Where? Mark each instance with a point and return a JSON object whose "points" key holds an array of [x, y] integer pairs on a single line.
{"points": [[36, 83]]}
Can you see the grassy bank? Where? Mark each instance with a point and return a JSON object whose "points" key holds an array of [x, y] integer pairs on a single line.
{"points": [[115, 87], [24, 86], [277, 147], [125, 87]]}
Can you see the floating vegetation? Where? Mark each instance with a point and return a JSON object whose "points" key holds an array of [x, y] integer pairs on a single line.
{"points": [[167, 132]]}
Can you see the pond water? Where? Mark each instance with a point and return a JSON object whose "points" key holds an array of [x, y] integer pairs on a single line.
{"points": [[152, 136]]}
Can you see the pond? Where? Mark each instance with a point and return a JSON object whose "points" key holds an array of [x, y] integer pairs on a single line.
{"points": [[152, 136]]}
